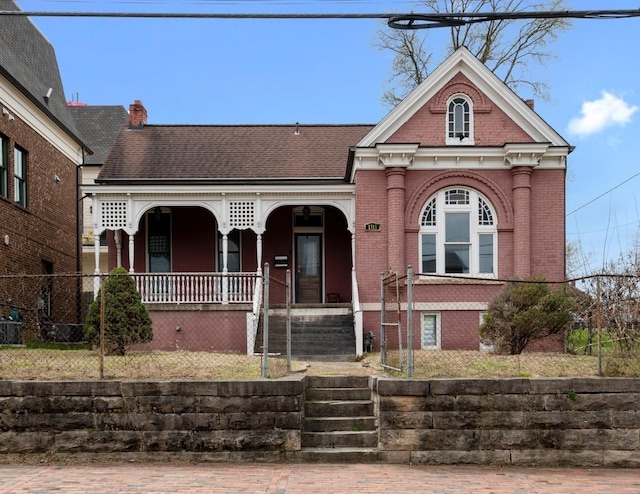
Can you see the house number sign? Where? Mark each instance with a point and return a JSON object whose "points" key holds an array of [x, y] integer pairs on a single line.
{"points": [[372, 227]]}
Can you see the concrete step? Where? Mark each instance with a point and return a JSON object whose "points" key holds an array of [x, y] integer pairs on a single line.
{"points": [[337, 381], [340, 455], [329, 424], [339, 417], [360, 408], [340, 439], [314, 394], [315, 333], [331, 357]]}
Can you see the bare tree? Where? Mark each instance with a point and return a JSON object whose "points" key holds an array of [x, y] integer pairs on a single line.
{"points": [[505, 46]]}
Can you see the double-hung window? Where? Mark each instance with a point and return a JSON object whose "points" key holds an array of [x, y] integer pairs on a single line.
{"points": [[4, 165], [20, 176], [458, 234], [459, 120]]}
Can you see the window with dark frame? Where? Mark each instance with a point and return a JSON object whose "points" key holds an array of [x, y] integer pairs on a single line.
{"points": [[20, 176], [4, 166]]}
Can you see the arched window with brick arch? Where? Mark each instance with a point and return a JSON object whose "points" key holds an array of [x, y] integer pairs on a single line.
{"points": [[460, 120], [458, 233]]}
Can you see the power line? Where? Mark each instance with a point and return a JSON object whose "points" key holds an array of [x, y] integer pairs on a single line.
{"points": [[427, 21], [603, 194], [394, 20]]}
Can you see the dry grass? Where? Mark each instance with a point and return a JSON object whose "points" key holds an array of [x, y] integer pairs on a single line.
{"points": [[41, 364], [44, 364], [473, 364], [484, 365]]}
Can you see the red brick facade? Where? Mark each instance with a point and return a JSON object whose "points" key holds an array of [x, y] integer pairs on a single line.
{"points": [[528, 200], [44, 230]]}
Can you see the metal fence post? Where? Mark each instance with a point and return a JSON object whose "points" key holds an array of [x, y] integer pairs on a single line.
{"points": [[383, 345], [265, 326], [599, 324], [288, 302], [409, 321]]}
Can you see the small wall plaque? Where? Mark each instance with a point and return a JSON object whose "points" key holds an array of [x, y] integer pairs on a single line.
{"points": [[372, 227], [281, 261]]}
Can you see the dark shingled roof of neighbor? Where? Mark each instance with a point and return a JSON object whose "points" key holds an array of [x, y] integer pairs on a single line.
{"points": [[28, 60], [98, 126]]}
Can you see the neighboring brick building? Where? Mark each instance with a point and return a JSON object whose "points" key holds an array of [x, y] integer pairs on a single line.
{"points": [[461, 178], [40, 156]]}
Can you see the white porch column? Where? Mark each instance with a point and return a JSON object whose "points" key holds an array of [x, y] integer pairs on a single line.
{"points": [[353, 251], [96, 255], [259, 252], [225, 253], [117, 235], [225, 268], [131, 252]]}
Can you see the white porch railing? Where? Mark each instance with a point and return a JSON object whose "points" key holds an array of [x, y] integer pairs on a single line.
{"points": [[196, 288]]}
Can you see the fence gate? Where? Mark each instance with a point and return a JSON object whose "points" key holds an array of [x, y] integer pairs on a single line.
{"points": [[391, 352]]}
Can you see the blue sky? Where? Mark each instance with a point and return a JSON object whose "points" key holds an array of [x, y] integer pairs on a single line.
{"points": [[329, 71]]}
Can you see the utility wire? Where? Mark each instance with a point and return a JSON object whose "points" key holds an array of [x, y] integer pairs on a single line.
{"points": [[394, 20], [603, 194]]}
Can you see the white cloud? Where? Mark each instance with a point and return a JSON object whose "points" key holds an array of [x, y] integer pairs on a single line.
{"points": [[601, 113]]}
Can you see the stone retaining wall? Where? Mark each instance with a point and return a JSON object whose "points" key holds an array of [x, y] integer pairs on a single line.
{"points": [[552, 422], [580, 422], [218, 418]]}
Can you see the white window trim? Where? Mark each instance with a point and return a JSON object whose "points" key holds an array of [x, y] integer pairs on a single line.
{"points": [[456, 141], [475, 230], [438, 345]]}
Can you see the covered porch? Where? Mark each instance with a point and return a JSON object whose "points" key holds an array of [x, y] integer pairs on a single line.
{"points": [[207, 251]]}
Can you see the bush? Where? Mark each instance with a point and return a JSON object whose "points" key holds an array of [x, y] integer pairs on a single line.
{"points": [[524, 312], [126, 320]]}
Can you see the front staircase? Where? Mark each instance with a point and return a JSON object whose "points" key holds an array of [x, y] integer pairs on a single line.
{"points": [[339, 422], [318, 332]]}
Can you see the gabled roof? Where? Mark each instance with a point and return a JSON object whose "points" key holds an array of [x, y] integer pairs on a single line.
{"points": [[98, 127], [463, 61], [28, 61], [223, 153]]}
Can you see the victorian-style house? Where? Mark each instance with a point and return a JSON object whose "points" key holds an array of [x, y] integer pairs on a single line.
{"points": [[462, 178]]}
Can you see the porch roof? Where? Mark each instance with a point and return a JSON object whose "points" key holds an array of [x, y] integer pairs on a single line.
{"points": [[212, 153]]}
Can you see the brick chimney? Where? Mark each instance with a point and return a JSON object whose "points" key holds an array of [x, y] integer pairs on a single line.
{"points": [[530, 103], [137, 115]]}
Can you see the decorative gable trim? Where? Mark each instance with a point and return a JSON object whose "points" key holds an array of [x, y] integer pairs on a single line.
{"points": [[487, 83], [480, 103]]}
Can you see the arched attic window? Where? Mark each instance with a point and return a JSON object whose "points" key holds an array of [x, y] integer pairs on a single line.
{"points": [[458, 234], [460, 120]]}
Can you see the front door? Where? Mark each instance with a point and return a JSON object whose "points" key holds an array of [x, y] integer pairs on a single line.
{"points": [[159, 241], [308, 268]]}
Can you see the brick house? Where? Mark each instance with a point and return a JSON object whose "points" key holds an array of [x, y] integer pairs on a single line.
{"points": [[461, 178], [40, 157]]}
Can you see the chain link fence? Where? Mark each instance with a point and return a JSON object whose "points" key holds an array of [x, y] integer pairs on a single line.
{"points": [[430, 327], [239, 327], [203, 326]]}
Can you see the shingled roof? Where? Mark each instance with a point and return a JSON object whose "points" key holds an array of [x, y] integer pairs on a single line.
{"points": [[222, 153], [98, 126], [28, 61]]}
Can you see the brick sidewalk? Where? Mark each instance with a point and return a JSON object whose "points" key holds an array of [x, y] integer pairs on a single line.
{"points": [[305, 478]]}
